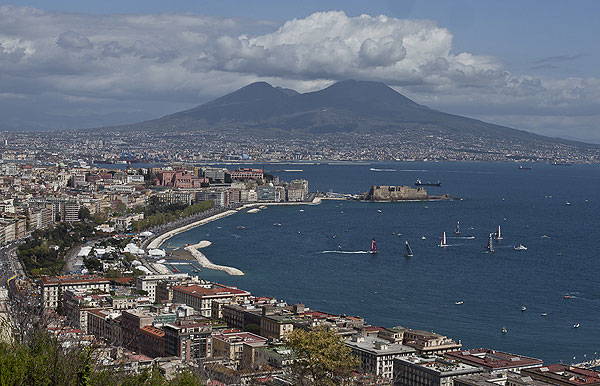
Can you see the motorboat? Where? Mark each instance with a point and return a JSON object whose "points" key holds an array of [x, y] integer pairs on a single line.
{"points": [[576, 325], [523, 308], [520, 247], [458, 302], [504, 330]]}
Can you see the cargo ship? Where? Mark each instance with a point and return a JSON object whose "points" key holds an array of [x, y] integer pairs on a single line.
{"points": [[421, 183]]}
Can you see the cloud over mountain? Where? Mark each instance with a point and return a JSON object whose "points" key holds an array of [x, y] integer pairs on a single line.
{"points": [[77, 64]]}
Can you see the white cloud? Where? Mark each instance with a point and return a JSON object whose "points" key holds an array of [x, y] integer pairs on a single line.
{"points": [[135, 62]]}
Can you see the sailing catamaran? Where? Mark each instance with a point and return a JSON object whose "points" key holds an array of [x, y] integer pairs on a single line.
{"points": [[409, 252], [443, 243], [457, 231], [498, 234], [373, 247]]}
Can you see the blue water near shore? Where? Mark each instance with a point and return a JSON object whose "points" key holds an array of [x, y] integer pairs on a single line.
{"points": [[292, 261]]}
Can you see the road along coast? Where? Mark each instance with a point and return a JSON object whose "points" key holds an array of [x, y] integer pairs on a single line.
{"points": [[204, 262], [159, 240]]}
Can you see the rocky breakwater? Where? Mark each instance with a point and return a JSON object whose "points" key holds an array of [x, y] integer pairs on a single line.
{"points": [[399, 193]]}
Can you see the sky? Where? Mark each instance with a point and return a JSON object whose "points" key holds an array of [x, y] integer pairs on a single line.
{"points": [[530, 65]]}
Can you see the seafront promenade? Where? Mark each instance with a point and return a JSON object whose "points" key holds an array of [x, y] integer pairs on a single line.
{"points": [[194, 249], [161, 238]]}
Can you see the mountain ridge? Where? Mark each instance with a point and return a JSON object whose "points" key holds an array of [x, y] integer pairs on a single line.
{"points": [[345, 106]]}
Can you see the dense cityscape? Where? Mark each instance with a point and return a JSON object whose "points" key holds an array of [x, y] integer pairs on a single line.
{"points": [[82, 260], [198, 147], [315, 193]]}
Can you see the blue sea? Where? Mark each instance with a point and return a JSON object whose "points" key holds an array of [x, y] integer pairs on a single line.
{"points": [[317, 256]]}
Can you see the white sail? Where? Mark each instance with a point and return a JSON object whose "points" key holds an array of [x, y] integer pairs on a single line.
{"points": [[443, 243]]}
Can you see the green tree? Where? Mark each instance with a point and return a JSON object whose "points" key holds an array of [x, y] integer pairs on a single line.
{"points": [[84, 213], [321, 358]]}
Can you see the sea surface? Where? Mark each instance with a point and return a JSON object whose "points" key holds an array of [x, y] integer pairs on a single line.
{"points": [[317, 256]]}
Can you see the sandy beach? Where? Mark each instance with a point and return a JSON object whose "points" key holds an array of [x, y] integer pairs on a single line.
{"points": [[204, 262]]}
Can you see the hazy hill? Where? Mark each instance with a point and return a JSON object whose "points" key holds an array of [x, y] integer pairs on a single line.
{"points": [[346, 106]]}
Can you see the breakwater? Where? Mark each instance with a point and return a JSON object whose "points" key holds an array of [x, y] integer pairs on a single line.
{"points": [[204, 262]]}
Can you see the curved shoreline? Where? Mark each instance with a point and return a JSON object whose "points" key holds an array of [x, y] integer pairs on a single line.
{"points": [[204, 262], [159, 240]]}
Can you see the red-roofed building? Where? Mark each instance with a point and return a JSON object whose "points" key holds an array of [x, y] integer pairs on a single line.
{"points": [[152, 342], [493, 360], [187, 339], [201, 296], [564, 375]]}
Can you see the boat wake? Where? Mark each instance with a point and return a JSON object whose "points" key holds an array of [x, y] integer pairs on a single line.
{"points": [[382, 170], [345, 252]]}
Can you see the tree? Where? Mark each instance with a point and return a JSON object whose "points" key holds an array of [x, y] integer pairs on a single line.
{"points": [[84, 213], [321, 358]]}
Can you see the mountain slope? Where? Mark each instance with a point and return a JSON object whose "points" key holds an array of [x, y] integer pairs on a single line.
{"points": [[346, 106]]}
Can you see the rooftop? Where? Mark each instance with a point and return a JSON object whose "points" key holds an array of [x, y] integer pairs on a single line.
{"points": [[377, 346], [215, 289], [565, 374], [443, 367], [492, 359]]}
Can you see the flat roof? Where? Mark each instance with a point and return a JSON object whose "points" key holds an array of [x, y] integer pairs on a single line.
{"points": [[157, 332], [216, 289], [49, 280], [378, 346], [566, 374], [493, 359], [443, 367]]}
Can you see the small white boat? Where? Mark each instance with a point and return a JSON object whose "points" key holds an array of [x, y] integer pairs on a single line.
{"points": [[498, 234], [378, 210], [423, 238], [545, 236], [457, 231], [276, 224], [520, 247], [458, 302], [523, 308], [504, 330], [568, 203], [544, 314], [576, 325], [301, 210]]}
